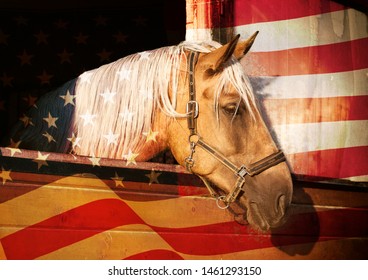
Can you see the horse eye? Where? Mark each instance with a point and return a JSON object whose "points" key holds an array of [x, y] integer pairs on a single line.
{"points": [[231, 109]]}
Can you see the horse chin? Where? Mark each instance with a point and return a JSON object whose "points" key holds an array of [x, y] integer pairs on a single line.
{"points": [[249, 214]]}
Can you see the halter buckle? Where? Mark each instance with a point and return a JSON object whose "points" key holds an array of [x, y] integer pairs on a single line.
{"points": [[242, 171], [193, 108]]}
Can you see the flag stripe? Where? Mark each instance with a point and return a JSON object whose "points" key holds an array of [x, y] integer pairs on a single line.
{"points": [[350, 83], [330, 109], [301, 32], [310, 60], [333, 163], [251, 11], [65, 229], [305, 137]]}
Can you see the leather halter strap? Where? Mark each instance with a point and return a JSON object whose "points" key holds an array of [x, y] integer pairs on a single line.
{"points": [[241, 172]]}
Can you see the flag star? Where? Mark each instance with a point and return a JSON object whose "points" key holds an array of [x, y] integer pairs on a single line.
{"points": [[130, 158], [118, 180], [75, 140], [69, 98], [5, 175], [81, 38], [88, 118], [151, 135], [41, 160], [61, 24], [104, 55], [120, 37], [41, 37], [25, 58], [3, 38], [30, 100], [146, 95], [65, 56], [127, 116], [108, 96], [86, 77], [101, 20], [95, 161], [51, 121], [111, 138], [49, 137], [153, 177], [14, 144], [140, 21], [26, 120], [13, 151], [144, 55], [124, 74], [7, 80], [20, 20], [45, 77]]}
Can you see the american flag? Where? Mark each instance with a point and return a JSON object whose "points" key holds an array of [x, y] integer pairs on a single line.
{"points": [[52, 207], [309, 67], [40, 49]]}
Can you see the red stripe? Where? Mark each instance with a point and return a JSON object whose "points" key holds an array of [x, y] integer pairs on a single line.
{"points": [[333, 163], [252, 11], [339, 57], [90, 219], [67, 228], [216, 14], [312, 110]]}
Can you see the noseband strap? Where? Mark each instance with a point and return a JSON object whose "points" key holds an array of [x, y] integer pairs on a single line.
{"points": [[195, 140]]}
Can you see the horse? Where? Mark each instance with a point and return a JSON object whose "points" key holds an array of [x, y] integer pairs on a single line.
{"points": [[193, 99]]}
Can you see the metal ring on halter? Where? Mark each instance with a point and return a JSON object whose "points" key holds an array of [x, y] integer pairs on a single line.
{"points": [[222, 198]]}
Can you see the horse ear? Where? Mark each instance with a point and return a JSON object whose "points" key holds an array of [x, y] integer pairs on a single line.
{"points": [[218, 58], [243, 47]]}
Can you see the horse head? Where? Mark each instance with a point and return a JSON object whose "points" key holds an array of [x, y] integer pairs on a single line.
{"points": [[224, 139]]}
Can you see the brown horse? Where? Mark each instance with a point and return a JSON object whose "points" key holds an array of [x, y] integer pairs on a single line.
{"points": [[193, 99]]}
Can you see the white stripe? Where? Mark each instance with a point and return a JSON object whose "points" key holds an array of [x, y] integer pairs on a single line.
{"points": [[351, 83], [307, 137], [322, 29], [363, 178]]}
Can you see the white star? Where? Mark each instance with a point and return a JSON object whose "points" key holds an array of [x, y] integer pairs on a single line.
{"points": [[41, 160], [130, 158], [69, 98], [13, 151], [49, 137], [127, 115], [51, 121], [75, 140], [95, 161], [111, 138], [86, 77], [144, 55], [124, 74], [151, 135], [108, 96], [88, 118]]}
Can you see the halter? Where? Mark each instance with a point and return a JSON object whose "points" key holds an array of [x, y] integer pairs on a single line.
{"points": [[192, 110]]}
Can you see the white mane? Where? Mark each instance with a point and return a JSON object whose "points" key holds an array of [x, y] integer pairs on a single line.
{"points": [[116, 103]]}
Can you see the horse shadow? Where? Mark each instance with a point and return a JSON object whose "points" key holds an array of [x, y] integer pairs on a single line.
{"points": [[302, 228]]}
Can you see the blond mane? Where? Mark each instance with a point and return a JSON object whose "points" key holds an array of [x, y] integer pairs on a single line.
{"points": [[116, 103]]}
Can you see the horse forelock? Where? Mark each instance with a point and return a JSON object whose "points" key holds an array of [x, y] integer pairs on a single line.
{"points": [[116, 103]]}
